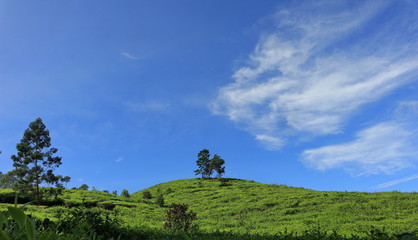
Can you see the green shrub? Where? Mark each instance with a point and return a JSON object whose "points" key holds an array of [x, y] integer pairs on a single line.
{"points": [[89, 204], [49, 203], [125, 193], [160, 198], [106, 205], [88, 223], [178, 219], [9, 197], [146, 195], [168, 190], [70, 204], [84, 187]]}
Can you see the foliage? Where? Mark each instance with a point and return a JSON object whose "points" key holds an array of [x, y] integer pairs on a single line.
{"points": [[168, 190], [244, 210], [223, 182], [35, 160], [146, 195], [8, 180], [160, 198], [84, 187], [216, 164], [206, 165], [8, 196], [203, 164], [106, 205], [88, 223], [79, 224], [23, 227], [178, 219], [125, 193]]}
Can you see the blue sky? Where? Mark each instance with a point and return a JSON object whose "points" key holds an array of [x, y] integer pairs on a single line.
{"points": [[314, 94]]}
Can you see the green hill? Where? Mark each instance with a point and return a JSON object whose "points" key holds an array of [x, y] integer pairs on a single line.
{"points": [[244, 206], [248, 207]]}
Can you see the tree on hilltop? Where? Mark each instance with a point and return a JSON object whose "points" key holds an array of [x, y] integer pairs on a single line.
{"points": [[35, 161], [206, 165], [203, 164], [217, 165]]}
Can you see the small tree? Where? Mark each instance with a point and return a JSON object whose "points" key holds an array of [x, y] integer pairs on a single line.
{"points": [[66, 180], [203, 164], [125, 193], [115, 192], [178, 219], [146, 195], [35, 160], [216, 164], [160, 198], [84, 187]]}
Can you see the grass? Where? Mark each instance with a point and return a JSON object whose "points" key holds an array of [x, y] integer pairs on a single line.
{"points": [[248, 208]]}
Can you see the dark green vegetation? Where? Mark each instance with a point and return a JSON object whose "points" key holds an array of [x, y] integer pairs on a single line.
{"points": [[206, 165], [237, 209], [35, 162]]}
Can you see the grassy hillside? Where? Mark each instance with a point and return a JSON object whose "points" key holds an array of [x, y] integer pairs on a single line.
{"points": [[243, 206], [247, 207]]}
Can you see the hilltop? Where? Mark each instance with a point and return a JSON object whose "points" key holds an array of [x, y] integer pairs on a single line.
{"points": [[247, 207], [243, 206]]}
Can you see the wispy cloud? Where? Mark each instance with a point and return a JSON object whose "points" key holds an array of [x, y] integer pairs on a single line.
{"points": [[383, 148], [273, 143], [316, 69], [119, 159], [396, 182], [130, 56]]}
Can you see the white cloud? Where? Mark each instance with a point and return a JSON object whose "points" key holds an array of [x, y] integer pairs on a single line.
{"points": [[396, 182], [273, 143], [383, 148], [119, 159], [129, 56], [312, 72]]}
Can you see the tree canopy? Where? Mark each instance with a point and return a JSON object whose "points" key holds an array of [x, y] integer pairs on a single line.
{"points": [[206, 165], [35, 161]]}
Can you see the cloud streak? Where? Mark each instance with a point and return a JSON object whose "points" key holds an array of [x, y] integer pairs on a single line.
{"points": [[314, 71], [396, 182], [130, 56], [383, 148]]}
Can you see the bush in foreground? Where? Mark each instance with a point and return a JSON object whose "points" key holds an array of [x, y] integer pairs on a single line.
{"points": [[178, 219]]}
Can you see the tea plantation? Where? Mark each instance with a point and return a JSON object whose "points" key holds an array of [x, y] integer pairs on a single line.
{"points": [[241, 209]]}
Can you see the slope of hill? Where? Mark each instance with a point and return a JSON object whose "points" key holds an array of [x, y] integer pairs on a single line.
{"points": [[247, 207]]}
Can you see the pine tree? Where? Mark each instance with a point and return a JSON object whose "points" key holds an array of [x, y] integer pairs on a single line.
{"points": [[203, 164], [35, 161]]}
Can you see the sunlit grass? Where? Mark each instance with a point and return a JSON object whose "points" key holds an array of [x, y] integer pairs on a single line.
{"points": [[247, 207]]}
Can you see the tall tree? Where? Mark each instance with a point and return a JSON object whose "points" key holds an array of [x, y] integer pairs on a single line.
{"points": [[217, 164], [35, 161], [203, 164]]}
